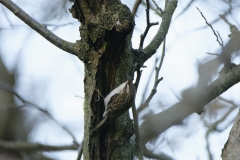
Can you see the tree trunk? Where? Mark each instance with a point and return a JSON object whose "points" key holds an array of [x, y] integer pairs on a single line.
{"points": [[106, 30], [232, 146]]}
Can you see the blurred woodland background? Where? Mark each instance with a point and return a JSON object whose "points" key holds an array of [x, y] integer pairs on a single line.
{"points": [[41, 95]]}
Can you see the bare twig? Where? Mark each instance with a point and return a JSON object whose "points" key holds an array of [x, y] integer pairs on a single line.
{"points": [[158, 8], [213, 127], [139, 74], [59, 25], [225, 20], [79, 96], [157, 80], [138, 138], [26, 146], [183, 109], [135, 7], [80, 151], [72, 48], [149, 25], [152, 47], [220, 37], [214, 54], [169, 143], [144, 93], [45, 24], [210, 157], [9, 88], [220, 43], [157, 12]]}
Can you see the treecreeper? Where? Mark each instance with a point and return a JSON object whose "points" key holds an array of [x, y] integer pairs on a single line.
{"points": [[117, 102]]}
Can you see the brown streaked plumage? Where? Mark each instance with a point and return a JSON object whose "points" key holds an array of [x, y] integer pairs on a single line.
{"points": [[118, 104]]}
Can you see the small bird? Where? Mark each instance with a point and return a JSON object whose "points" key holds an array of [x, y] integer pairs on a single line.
{"points": [[117, 102]]}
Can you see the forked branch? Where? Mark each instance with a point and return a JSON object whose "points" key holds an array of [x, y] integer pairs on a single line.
{"points": [[152, 47]]}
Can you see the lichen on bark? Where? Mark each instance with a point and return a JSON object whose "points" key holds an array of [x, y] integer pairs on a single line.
{"points": [[106, 31]]}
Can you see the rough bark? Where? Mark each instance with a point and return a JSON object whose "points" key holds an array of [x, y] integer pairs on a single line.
{"points": [[106, 29], [231, 147]]}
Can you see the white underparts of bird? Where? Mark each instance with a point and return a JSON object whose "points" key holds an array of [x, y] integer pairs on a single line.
{"points": [[117, 102], [117, 90]]}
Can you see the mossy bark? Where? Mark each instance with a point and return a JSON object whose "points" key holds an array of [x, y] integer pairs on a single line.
{"points": [[106, 30]]}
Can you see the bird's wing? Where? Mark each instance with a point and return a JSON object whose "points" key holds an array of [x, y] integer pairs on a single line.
{"points": [[101, 124]]}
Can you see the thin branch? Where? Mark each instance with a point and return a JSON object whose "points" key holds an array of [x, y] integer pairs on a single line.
{"points": [[210, 157], [221, 44], [9, 88], [59, 25], [158, 8], [136, 6], [220, 37], [169, 144], [139, 74], [144, 93], [7, 18], [44, 24], [80, 151], [26, 146], [138, 138], [225, 20], [72, 48], [213, 54], [149, 25], [182, 109], [152, 47], [157, 12], [213, 127], [79, 96], [157, 80]]}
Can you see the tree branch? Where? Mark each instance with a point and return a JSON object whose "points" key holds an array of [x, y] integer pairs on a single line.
{"points": [[158, 8], [149, 25], [213, 127], [162, 31], [26, 146], [175, 114], [9, 88], [138, 138], [80, 151], [214, 32], [72, 48], [156, 82], [135, 7]]}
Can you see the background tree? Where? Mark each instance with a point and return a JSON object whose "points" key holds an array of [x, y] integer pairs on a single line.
{"points": [[106, 51]]}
